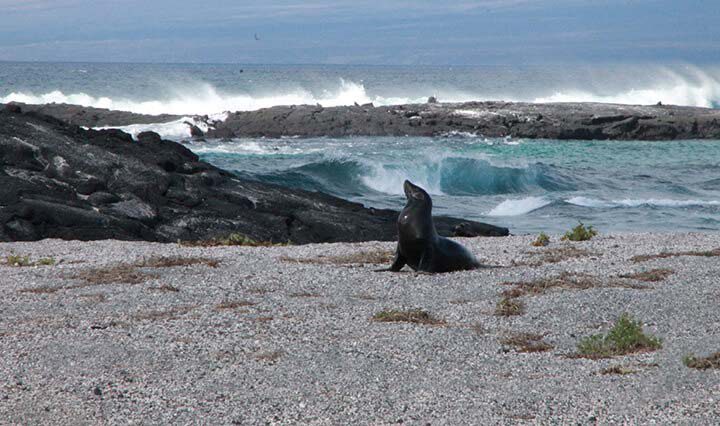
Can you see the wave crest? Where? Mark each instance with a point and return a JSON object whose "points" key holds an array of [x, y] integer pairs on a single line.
{"points": [[693, 87], [650, 202], [519, 207], [206, 99], [448, 176], [674, 85]]}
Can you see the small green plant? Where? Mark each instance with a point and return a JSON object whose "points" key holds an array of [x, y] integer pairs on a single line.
{"points": [[172, 261], [565, 280], [269, 357], [703, 363], [17, 260], [653, 275], [618, 370], [417, 316], [234, 304], [527, 342], [509, 306], [23, 261], [234, 239], [625, 337], [541, 241], [553, 255], [165, 288], [238, 240], [580, 233], [664, 255]]}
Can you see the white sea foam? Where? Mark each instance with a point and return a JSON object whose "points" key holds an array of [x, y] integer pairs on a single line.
{"points": [[389, 179], [691, 87], [175, 130], [652, 202], [206, 99], [459, 134], [472, 113], [519, 207], [252, 147], [590, 202], [426, 168], [678, 85], [508, 140]]}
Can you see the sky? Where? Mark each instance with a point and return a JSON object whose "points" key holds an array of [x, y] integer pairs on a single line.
{"points": [[370, 32]]}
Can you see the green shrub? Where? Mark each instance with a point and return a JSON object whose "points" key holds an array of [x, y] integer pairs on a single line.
{"points": [[509, 306], [17, 260], [22, 261], [703, 363], [417, 316], [237, 240], [580, 233], [527, 342], [653, 275], [625, 337], [541, 241], [617, 369], [233, 239]]}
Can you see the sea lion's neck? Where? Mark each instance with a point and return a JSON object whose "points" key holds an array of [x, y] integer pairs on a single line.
{"points": [[415, 223]]}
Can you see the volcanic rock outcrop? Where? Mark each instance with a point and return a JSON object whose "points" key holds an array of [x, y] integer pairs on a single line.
{"points": [[490, 119], [58, 180], [586, 121]]}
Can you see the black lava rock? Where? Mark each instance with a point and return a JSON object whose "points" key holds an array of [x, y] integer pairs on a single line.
{"points": [[58, 180]]}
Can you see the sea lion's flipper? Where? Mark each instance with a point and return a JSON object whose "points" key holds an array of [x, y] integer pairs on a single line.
{"points": [[399, 261], [426, 264], [397, 264]]}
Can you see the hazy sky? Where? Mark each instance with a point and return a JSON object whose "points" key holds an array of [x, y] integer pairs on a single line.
{"points": [[361, 31]]}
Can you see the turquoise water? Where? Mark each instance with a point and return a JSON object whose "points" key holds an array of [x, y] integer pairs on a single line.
{"points": [[527, 185]]}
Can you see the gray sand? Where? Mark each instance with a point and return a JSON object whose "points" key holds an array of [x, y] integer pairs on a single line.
{"points": [[304, 349]]}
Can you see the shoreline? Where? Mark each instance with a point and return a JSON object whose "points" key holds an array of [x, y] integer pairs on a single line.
{"points": [[563, 121], [285, 334]]}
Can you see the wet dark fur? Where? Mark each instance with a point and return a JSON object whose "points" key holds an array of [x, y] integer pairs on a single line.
{"points": [[419, 245]]}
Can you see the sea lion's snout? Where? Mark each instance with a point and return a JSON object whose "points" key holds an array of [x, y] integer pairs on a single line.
{"points": [[407, 187], [413, 191]]}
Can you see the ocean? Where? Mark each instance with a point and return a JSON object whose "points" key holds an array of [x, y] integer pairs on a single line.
{"points": [[527, 185]]}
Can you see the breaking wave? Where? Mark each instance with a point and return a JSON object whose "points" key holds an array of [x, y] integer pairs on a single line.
{"points": [[519, 207], [692, 87], [206, 99], [679, 86], [650, 202], [174, 130], [447, 176]]}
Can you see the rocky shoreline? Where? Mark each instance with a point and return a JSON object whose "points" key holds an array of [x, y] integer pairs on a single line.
{"points": [[58, 180], [584, 121]]}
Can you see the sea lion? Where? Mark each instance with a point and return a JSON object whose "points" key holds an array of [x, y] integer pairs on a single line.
{"points": [[419, 244]]}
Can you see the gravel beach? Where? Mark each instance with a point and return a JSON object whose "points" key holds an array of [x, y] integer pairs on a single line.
{"points": [[120, 332]]}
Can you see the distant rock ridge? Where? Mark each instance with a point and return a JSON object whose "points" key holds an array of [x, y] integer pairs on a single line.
{"points": [[580, 121], [58, 180]]}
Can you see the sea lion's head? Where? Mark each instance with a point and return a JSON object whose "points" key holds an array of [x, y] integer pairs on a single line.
{"points": [[416, 195], [415, 222]]}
